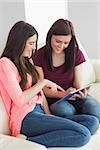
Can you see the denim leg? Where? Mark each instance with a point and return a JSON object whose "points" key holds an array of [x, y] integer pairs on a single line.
{"points": [[53, 131], [89, 121], [62, 109], [67, 110], [61, 138], [91, 107]]}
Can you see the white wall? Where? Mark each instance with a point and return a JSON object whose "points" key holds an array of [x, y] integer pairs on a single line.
{"points": [[40, 13], [85, 15], [43, 13], [11, 11]]}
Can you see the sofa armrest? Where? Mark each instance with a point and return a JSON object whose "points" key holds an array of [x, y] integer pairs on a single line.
{"points": [[13, 143], [88, 73], [96, 66], [4, 129]]}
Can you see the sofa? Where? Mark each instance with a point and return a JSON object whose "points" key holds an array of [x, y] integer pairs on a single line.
{"points": [[7, 142]]}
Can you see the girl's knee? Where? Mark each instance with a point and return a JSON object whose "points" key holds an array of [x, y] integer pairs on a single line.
{"points": [[91, 108], [81, 137], [84, 139], [84, 135], [62, 109]]}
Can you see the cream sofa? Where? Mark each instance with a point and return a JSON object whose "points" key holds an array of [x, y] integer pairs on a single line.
{"points": [[92, 73]]}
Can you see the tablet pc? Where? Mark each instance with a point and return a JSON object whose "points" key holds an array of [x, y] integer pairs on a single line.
{"points": [[66, 97]]}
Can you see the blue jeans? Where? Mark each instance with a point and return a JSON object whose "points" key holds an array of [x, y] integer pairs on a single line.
{"points": [[74, 107], [54, 131]]}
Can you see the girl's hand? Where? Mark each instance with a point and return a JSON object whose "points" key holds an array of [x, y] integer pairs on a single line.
{"points": [[82, 94], [53, 86], [69, 90], [21, 136]]}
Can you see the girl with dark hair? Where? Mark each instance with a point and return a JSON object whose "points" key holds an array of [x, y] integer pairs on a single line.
{"points": [[21, 91], [61, 61]]}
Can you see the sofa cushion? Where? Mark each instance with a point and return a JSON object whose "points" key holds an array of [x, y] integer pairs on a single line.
{"points": [[95, 90], [4, 129], [12, 143]]}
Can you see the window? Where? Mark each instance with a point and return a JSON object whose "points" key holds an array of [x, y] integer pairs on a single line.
{"points": [[43, 13]]}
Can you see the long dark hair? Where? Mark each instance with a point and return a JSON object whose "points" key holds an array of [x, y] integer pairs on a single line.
{"points": [[14, 48], [62, 27]]}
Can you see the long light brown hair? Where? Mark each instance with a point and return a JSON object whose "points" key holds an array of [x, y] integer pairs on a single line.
{"points": [[14, 48]]}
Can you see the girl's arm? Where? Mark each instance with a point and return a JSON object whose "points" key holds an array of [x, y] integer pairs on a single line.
{"points": [[33, 91], [45, 105], [79, 75], [48, 92], [10, 81], [58, 94]]}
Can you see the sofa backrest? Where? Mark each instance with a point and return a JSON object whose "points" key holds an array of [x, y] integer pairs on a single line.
{"points": [[88, 69], [4, 129], [88, 73]]}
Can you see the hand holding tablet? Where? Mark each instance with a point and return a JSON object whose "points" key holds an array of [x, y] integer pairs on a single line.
{"points": [[66, 97]]}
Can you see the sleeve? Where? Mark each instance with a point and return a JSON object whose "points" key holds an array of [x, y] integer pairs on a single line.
{"points": [[10, 82], [79, 58], [38, 58]]}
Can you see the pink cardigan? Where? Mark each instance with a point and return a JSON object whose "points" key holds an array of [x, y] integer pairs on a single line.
{"points": [[13, 96]]}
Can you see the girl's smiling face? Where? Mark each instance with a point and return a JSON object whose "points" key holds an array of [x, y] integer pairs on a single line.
{"points": [[30, 46], [60, 42]]}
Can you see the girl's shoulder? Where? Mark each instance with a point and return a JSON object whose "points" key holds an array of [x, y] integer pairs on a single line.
{"points": [[7, 64], [6, 61], [42, 49]]}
